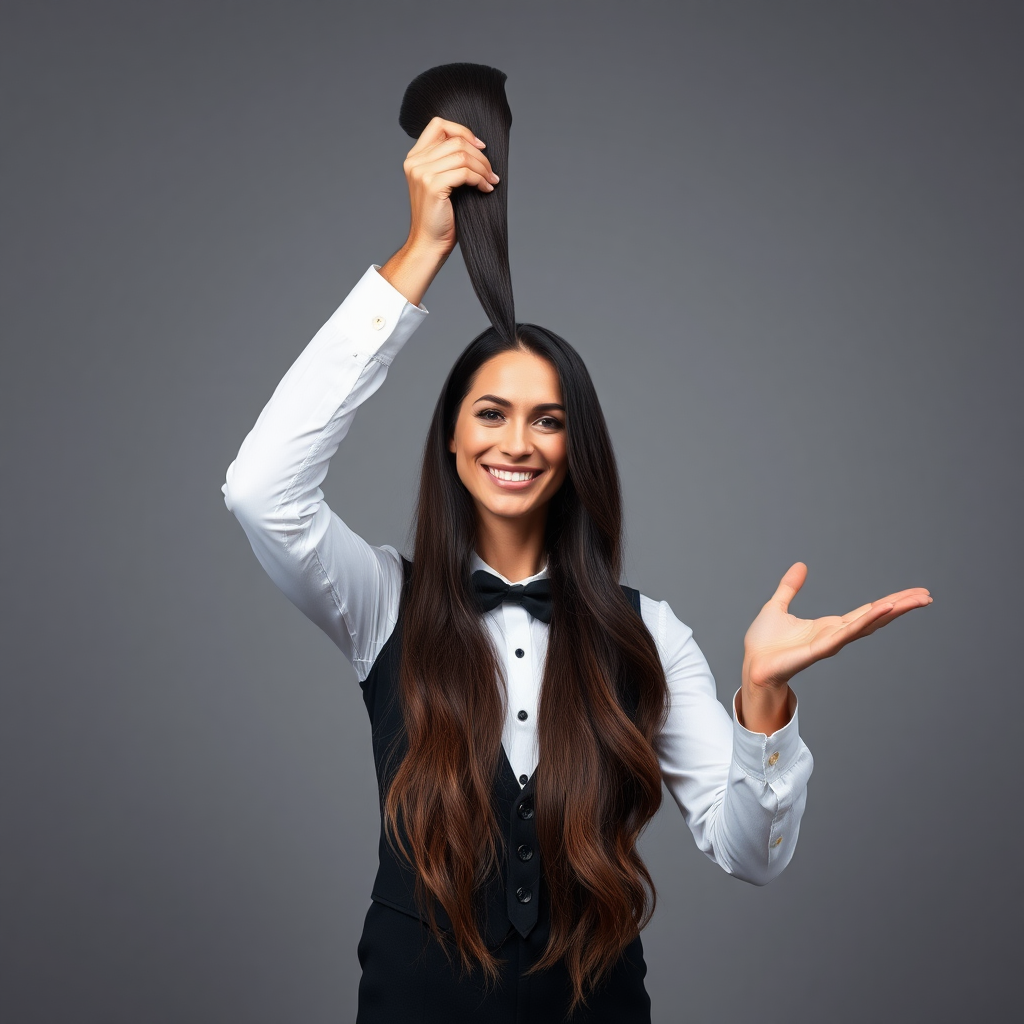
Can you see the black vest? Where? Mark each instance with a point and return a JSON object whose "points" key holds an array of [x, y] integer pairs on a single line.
{"points": [[515, 897]]}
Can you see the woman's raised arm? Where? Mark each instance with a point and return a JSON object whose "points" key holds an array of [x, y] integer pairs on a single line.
{"points": [[343, 584], [348, 587]]}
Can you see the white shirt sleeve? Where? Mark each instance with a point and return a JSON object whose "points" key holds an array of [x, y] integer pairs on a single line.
{"points": [[741, 793], [348, 587]]}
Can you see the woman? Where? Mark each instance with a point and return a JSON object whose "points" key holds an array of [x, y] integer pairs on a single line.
{"points": [[525, 708]]}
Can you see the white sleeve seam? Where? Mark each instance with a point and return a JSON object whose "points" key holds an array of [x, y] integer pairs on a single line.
{"points": [[338, 603]]}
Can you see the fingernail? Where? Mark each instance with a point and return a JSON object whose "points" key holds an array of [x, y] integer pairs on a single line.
{"points": [[479, 142], [495, 178]]}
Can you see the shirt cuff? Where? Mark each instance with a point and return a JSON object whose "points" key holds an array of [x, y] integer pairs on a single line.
{"points": [[377, 317], [766, 758]]}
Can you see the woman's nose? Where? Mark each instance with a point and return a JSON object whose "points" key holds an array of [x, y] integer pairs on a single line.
{"points": [[516, 441]]}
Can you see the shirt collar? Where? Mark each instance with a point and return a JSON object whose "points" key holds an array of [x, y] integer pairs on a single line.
{"points": [[478, 563]]}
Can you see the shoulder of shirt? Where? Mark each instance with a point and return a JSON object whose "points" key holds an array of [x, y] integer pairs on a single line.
{"points": [[666, 628]]}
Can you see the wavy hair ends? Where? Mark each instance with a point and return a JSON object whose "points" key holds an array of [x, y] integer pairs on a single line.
{"points": [[603, 698], [474, 95]]}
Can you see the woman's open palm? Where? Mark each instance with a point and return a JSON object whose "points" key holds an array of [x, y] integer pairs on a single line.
{"points": [[778, 644]]}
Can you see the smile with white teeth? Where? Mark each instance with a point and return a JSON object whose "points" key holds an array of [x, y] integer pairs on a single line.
{"points": [[518, 476]]}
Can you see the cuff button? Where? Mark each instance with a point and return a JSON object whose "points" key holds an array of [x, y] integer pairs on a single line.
{"points": [[378, 322]]}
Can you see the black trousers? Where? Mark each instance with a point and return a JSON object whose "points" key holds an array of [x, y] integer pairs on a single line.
{"points": [[407, 978]]}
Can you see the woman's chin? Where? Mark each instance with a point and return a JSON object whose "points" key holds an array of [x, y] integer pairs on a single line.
{"points": [[508, 507]]}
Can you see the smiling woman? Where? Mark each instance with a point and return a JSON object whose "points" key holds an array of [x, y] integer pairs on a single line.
{"points": [[525, 707], [510, 453]]}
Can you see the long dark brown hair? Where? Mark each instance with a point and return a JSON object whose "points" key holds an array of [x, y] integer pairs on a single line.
{"points": [[602, 702], [603, 695]]}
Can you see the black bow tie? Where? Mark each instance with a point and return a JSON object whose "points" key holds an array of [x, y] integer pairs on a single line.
{"points": [[535, 597]]}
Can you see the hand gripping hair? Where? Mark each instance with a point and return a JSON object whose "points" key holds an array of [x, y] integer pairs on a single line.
{"points": [[474, 95]]}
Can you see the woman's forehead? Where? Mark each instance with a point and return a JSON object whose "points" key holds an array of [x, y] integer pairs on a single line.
{"points": [[518, 376]]}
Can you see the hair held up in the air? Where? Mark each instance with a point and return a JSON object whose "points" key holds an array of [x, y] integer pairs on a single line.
{"points": [[474, 95], [603, 694]]}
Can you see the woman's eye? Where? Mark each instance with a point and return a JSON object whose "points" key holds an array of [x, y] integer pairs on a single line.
{"points": [[496, 416]]}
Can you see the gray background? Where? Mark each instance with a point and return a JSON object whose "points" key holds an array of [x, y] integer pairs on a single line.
{"points": [[787, 240]]}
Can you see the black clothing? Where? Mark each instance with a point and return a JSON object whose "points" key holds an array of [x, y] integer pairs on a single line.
{"points": [[407, 975]]}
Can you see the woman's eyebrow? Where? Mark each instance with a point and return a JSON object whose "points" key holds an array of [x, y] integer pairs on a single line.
{"points": [[505, 403]]}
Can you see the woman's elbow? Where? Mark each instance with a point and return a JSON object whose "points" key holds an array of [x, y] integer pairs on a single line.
{"points": [[759, 877], [246, 496], [762, 869]]}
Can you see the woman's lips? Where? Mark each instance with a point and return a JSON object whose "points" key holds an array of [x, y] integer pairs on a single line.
{"points": [[512, 479]]}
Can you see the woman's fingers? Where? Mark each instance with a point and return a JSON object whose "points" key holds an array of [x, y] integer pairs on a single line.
{"points": [[447, 156], [451, 144], [788, 586], [911, 592], [438, 129], [452, 169], [831, 642], [900, 607], [865, 620], [857, 612], [915, 597]]}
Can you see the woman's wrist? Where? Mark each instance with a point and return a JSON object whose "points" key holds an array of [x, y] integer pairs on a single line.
{"points": [[412, 269], [763, 706]]}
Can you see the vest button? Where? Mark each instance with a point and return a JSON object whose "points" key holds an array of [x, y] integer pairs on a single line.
{"points": [[523, 894], [520, 652], [525, 810], [525, 852]]}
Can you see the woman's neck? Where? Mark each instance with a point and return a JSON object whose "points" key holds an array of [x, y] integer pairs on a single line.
{"points": [[513, 546]]}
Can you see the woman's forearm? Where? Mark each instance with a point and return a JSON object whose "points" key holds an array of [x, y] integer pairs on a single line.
{"points": [[411, 270]]}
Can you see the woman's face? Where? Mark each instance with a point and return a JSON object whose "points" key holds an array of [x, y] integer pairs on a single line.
{"points": [[509, 438]]}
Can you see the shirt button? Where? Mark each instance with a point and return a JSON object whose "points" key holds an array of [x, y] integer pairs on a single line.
{"points": [[778, 839], [378, 322], [519, 652], [524, 779], [524, 852], [773, 758], [523, 894], [522, 716]]}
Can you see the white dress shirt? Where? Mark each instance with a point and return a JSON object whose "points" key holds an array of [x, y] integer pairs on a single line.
{"points": [[741, 793]]}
